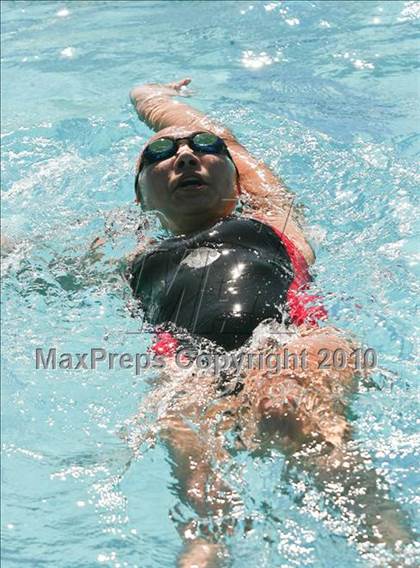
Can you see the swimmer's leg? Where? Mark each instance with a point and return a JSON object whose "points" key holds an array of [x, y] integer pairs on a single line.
{"points": [[200, 553], [347, 477], [194, 455], [314, 400], [312, 397], [193, 460]]}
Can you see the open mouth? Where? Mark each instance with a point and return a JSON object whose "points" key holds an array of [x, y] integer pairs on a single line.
{"points": [[191, 182]]}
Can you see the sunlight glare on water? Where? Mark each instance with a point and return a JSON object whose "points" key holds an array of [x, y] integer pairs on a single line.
{"points": [[327, 95]]}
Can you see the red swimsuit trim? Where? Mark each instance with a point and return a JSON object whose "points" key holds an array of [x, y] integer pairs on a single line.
{"points": [[165, 345], [301, 304]]}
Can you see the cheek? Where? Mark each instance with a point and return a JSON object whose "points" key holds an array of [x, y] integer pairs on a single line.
{"points": [[158, 174], [155, 182], [220, 170]]}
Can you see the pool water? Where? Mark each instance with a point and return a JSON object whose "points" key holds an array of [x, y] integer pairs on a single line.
{"points": [[327, 94]]}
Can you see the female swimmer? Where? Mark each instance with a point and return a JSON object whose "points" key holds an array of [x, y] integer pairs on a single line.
{"points": [[233, 280]]}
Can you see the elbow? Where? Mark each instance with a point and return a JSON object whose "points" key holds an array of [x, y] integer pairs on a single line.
{"points": [[140, 93], [137, 93]]}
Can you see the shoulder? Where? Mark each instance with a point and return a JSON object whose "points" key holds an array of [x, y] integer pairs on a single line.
{"points": [[142, 250]]}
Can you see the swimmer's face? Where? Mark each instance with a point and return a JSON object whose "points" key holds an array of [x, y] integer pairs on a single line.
{"points": [[191, 189]]}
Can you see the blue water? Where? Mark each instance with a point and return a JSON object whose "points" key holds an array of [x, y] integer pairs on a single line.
{"points": [[327, 94]]}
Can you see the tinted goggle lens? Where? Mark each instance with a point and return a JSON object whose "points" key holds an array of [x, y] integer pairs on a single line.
{"points": [[160, 147], [207, 139]]}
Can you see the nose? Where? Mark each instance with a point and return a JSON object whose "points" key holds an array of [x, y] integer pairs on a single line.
{"points": [[185, 158]]}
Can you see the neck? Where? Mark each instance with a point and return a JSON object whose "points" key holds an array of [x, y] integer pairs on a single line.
{"points": [[193, 224]]}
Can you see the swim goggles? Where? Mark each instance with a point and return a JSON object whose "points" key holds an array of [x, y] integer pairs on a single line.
{"points": [[164, 148]]}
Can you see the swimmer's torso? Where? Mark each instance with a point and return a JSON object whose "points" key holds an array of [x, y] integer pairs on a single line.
{"points": [[219, 283]]}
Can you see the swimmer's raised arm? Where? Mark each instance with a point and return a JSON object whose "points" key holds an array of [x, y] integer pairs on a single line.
{"points": [[155, 106], [262, 189]]}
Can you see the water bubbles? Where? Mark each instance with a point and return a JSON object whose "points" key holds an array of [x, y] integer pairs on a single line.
{"points": [[324, 24], [292, 21], [68, 53], [357, 62], [410, 12], [255, 60], [63, 13], [271, 6], [106, 557], [248, 9], [360, 64]]}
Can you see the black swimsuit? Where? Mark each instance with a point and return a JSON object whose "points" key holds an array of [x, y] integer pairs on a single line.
{"points": [[219, 283]]}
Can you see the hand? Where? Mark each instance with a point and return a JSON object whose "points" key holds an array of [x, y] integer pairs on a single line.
{"points": [[177, 88]]}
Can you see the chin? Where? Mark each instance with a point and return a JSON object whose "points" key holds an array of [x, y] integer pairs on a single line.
{"points": [[198, 204]]}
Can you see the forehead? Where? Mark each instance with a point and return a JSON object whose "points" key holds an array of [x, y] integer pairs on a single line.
{"points": [[176, 132]]}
